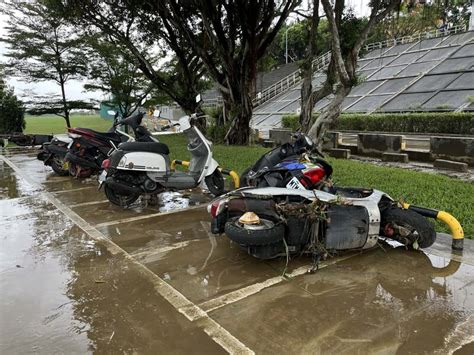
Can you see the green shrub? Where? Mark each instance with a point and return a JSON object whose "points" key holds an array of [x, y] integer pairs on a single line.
{"points": [[12, 113], [429, 122], [291, 122]]}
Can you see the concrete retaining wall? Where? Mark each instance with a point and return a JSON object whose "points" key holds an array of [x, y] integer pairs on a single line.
{"points": [[376, 144], [280, 136], [453, 148]]}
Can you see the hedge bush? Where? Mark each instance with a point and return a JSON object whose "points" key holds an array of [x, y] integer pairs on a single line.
{"points": [[429, 122]]}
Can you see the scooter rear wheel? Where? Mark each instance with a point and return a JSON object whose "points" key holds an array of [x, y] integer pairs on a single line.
{"points": [[79, 172], [215, 183], [407, 227], [266, 233], [118, 199], [59, 166]]}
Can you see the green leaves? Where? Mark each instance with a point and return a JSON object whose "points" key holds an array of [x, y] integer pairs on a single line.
{"points": [[12, 113]]}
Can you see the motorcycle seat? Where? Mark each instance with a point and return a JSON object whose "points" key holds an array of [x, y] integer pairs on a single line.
{"points": [[151, 147], [101, 135]]}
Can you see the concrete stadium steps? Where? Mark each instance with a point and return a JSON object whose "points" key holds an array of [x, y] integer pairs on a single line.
{"points": [[433, 74]]}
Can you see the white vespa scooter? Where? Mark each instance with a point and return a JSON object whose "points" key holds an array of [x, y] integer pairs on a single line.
{"points": [[144, 169]]}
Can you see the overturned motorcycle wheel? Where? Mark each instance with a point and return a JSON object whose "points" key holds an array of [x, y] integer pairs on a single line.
{"points": [[80, 172], [59, 166], [267, 232], [215, 183], [119, 199], [407, 227]]}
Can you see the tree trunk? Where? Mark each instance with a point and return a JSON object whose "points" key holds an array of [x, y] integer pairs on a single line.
{"points": [[66, 109], [240, 111], [307, 104], [329, 116]]}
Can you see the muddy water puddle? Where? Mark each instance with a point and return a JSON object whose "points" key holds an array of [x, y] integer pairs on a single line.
{"points": [[379, 302], [62, 293], [11, 186]]}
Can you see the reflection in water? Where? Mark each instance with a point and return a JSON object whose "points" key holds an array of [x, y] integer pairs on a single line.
{"points": [[62, 293], [8, 188], [378, 302], [37, 316]]}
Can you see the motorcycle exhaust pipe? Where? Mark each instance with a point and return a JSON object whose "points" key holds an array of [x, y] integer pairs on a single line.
{"points": [[122, 188]]}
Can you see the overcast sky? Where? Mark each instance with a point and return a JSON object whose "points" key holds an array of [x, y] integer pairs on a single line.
{"points": [[75, 89]]}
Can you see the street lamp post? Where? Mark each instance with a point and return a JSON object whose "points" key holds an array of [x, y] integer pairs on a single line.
{"points": [[286, 44]]}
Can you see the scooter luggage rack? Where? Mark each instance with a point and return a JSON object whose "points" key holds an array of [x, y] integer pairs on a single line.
{"points": [[235, 177]]}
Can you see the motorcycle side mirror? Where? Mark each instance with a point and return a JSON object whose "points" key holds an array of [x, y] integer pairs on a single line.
{"points": [[156, 113], [198, 98]]}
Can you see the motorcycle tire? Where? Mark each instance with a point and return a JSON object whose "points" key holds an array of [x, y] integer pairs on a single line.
{"points": [[58, 165], [84, 172], [270, 233], [419, 229], [119, 200], [215, 183]]}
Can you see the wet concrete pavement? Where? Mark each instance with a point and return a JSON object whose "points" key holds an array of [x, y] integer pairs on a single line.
{"points": [[79, 275]]}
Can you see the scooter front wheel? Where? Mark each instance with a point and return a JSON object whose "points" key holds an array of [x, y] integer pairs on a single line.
{"points": [[119, 199], [215, 183], [407, 227]]}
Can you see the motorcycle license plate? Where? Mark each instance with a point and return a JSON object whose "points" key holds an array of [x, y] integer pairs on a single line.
{"points": [[102, 178], [295, 184]]}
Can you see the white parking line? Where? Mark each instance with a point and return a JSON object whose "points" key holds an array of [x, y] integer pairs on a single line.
{"points": [[57, 179], [72, 190], [191, 311], [88, 203], [139, 218], [250, 290]]}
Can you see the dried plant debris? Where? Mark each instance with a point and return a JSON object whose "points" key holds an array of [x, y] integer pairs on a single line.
{"points": [[313, 211]]}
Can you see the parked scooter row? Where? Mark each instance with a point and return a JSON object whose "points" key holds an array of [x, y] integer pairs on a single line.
{"points": [[132, 167]]}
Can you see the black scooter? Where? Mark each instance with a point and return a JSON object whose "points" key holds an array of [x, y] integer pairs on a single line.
{"points": [[279, 166], [90, 148]]}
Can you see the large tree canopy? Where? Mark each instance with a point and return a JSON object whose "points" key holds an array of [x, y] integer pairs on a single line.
{"points": [[110, 73], [229, 37], [145, 42], [41, 47], [348, 35]]}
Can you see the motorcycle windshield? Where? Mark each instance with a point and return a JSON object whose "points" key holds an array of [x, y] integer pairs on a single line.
{"points": [[198, 149]]}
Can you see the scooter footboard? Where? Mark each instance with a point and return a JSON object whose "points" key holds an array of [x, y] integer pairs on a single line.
{"points": [[347, 227]]}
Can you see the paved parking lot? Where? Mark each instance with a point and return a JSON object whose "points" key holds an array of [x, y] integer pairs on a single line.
{"points": [[79, 274]]}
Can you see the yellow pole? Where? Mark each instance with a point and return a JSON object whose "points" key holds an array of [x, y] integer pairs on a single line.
{"points": [[457, 233]]}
